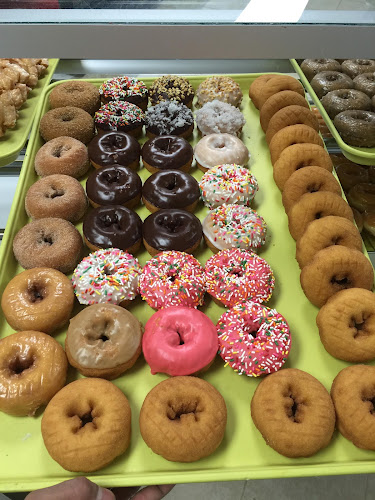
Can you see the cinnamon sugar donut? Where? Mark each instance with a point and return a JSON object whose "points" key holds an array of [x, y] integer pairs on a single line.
{"points": [[295, 134], [333, 269], [291, 115], [67, 121], [256, 87], [278, 84], [76, 93], [277, 102]]}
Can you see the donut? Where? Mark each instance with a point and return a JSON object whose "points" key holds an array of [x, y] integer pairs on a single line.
{"points": [[322, 233], [313, 206], [172, 279], [346, 325], [358, 219], [308, 180], [86, 415], [56, 196], [279, 101], [112, 226], [228, 184], [299, 156], [365, 82], [294, 413], [351, 174], [67, 121], [291, 115], [254, 340], [171, 88], [171, 229], [190, 417], [257, 85], [340, 100], [103, 340], [109, 148], [48, 242], [356, 127], [33, 370], [236, 275], [179, 341], [167, 152], [333, 269], [294, 134], [362, 197], [124, 88], [217, 117], [220, 149], [234, 226], [279, 84], [170, 189], [312, 67], [63, 155], [354, 67], [114, 185], [352, 394], [326, 81], [39, 299], [121, 116], [339, 159], [219, 88], [169, 118], [76, 93]]}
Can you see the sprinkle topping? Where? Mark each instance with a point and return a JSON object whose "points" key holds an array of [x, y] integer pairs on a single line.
{"points": [[116, 114], [122, 87]]}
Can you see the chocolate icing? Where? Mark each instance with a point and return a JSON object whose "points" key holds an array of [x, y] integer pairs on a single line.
{"points": [[112, 226], [167, 151], [113, 185], [171, 189], [172, 229], [114, 147]]}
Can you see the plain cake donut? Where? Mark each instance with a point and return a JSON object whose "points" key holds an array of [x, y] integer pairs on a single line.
{"points": [[291, 115], [277, 102], [294, 134], [63, 155], [279, 84]]}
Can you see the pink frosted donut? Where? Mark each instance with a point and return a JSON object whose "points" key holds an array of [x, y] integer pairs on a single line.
{"points": [[253, 339], [235, 275], [179, 341], [172, 278]]}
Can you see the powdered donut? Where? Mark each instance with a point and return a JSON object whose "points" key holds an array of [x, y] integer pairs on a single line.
{"points": [[277, 102], [278, 84], [76, 93], [63, 155], [67, 121], [218, 117], [294, 134], [291, 115]]}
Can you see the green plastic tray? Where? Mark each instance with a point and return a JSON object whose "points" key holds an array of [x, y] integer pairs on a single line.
{"points": [[15, 138], [243, 454], [364, 156]]}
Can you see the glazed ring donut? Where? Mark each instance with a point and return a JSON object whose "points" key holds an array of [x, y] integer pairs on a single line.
{"points": [[257, 86], [351, 174], [362, 197], [347, 325], [279, 84], [313, 206], [293, 412], [333, 269], [295, 134], [340, 100], [326, 81], [39, 299], [49, 242], [299, 156], [88, 414], [183, 419], [322, 233], [311, 67], [76, 93], [67, 121], [354, 67], [308, 180], [277, 102], [291, 115], [365, 83], [353, 396], [33, 369], [356, 127]]}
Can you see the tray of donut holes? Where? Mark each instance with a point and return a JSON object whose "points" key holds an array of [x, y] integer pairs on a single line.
{"points": [[261, 407]]}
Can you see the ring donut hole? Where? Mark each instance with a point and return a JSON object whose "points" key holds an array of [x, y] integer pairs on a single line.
{"points": [[359, 325], [67, 115], [295, 405], [100, 330], [35, 292], [177, 411], [341, 281], [19, 363], [45, 238], [84, 419], [59, 150]]}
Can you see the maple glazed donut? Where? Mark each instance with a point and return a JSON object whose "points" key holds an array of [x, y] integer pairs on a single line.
{"points": [[33, 369], [362, 197], [291, 115], [351, 174], [220, 149], [76, 93], [294, 134], [278, 84], [183, 419], [365, 82], [279, 101], [67, 121], [340, 100], [87, 414]]}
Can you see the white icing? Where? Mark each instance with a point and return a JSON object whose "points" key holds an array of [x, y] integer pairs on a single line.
{"points": [[217, 149]]}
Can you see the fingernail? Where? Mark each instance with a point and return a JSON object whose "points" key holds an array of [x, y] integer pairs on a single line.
{"points": [[104, 494]]}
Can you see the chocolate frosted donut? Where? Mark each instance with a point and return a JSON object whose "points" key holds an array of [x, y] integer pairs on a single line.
{"points": [[365, 83], [313, 66], [326, 81], [170, 189], [125, 88], [114, 185], [171, 230], [167, 152], [120, 115], [345, 99], [114, 147], [356, 127], [354, 67], [113, 227]]}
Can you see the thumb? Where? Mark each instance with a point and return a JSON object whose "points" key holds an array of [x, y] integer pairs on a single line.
{"points": [[79, 488]]}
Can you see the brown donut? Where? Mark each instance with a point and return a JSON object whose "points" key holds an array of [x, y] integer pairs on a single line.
{"points": [[278, 101], [294, 134], [56, 196], [362, 197], [347, 325], [87, 425], [257, 86], [322, 233], [365, 83], [183, 419], [67, 121], [351, 174], [354, 67], [313, 206], [76, 93], [340, 100], [311, 67], [49, 242], [356, 127], [333, 269], [63, 155], [278, 84], [294, 413], [353, 396], [291, 115], [325, 81]]}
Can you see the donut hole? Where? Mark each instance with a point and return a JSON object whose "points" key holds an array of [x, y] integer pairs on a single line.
{"points": [[167, 146], [304, 163], [171, 183], [336, 240], [181, 342], [58, 151], [341, 282], [83, 418], [45, 239], [100, 331], [35, 293], [55, 193], [345, 95], [171, 277], [318, 215], [359, 326], [172, 225], [332, 78], [313, 188], [19, 364], [236, 272], [109, 220], [112, 177], [72, 89], [293, 407], [179, 410], [67, 117]]}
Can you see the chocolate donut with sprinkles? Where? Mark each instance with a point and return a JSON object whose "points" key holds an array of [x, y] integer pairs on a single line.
{"points": [[124, 88], [254, 340]]}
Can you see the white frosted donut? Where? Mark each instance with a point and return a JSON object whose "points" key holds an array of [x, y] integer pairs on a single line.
{"points": [[219, 117], [218, 149]]}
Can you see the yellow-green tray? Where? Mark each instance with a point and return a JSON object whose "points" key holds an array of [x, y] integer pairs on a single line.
{"points": [[25, 463], [15, 138], [364, 156]]}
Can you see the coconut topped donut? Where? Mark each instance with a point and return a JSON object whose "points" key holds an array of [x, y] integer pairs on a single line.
{"points": [[220, 149], [217, 117]]}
